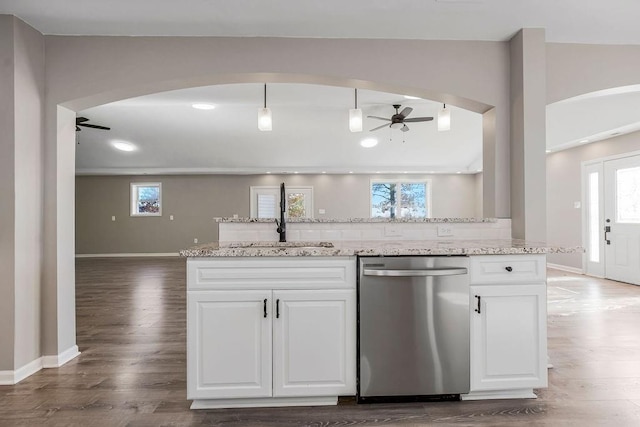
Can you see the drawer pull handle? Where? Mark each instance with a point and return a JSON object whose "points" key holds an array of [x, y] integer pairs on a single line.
{"points": [[277, 309], [265, 307], [509, 268], [477, 310]]}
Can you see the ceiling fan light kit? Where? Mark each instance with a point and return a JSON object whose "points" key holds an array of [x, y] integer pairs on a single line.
{"points": [[264, 115], [399, 119], [444, 118], [355, 116]]}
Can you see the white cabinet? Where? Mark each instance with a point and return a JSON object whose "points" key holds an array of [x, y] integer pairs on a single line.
{"points": [[313, 336], [229, 342], [288, 344], [508, 327]]}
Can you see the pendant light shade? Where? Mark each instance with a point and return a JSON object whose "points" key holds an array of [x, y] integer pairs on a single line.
{"points": [[444, 118], [264, 115], [355, 116]]}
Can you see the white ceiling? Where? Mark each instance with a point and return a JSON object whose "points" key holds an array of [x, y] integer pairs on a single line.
{"points": [[573, 21], [310, 133]]}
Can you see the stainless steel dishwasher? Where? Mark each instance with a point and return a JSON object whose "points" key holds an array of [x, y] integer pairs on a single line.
{"points": [[413, 327]]}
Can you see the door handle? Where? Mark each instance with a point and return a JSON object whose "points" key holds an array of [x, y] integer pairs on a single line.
{"points": [[477, 310], [265, 307], [451, 271], [607, 230]]}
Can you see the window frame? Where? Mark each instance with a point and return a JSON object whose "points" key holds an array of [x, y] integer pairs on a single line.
{"points": [[133, 197], [254, 190], [397, 181]]}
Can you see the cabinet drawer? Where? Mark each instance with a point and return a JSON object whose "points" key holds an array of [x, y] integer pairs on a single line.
{"points": [[271, 273], [493, 269]]}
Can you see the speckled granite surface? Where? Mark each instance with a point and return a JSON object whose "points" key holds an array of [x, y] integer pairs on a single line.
{"points": [[377, 248], [362, 220]]}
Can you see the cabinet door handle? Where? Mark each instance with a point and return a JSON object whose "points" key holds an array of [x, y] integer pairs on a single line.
{"points": [[265, 307], [477, 310], [509, 268], [277, 309]]}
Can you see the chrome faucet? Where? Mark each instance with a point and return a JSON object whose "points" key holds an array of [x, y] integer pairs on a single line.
{"points": [[282, 226]]}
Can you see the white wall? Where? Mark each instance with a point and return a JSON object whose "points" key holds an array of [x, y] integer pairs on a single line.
{"points": [[564, 222]]}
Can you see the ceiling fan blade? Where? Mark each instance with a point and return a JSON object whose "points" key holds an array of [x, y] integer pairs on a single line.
{"points": [[404, 128], [81, 119], [379, 127], [406, 111], [418, 119], [94, 126], [379, 118]]}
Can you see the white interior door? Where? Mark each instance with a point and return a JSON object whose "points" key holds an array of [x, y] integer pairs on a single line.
{"points": [[622, 219]]}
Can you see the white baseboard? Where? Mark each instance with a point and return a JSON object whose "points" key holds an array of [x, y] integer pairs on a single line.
{"points": [[127, 255], [500, 394], [58, 360], [565, 268], [14, 377]]}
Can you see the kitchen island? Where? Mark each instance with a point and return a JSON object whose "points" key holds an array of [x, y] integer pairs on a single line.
{"points": [[273, 324]]}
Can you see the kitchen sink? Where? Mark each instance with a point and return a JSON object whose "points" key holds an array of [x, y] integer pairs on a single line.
{"points": [[270, 245]]}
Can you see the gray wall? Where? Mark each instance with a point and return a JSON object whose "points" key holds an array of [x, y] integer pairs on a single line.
{"points": [[7, 202], [528, 86], [194, 200], [21, 105], [564, 222]]}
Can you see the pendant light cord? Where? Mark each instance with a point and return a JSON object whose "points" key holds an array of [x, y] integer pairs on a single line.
{"points": [[356, 96], [265, 95]]}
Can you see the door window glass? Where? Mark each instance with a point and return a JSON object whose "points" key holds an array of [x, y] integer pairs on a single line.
{"points": [[628, 195], [594, 218]]}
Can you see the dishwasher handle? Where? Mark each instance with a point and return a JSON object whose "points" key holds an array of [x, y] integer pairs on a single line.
{"points": [[446, 271]]}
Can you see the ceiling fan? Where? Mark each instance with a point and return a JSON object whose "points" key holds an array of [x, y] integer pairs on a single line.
{"points": [[81, 121], [399, 119]]}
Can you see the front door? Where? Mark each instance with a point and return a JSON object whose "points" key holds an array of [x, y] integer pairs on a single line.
{"points": [[622, 219]]}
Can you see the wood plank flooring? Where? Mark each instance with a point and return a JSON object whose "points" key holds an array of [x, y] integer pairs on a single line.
{"points": [[131, 324]]}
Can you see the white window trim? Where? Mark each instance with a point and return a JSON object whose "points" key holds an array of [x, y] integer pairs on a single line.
{"points": [[133, 190], [254, 190], [426, 182]]}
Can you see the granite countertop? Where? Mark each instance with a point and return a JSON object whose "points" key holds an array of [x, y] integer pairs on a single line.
{"points": [[375, 248], [362, 220]]}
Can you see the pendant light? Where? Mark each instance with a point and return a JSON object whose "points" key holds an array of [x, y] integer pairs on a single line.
{"points": [[444, 118], [355, 116], [264, 114]]}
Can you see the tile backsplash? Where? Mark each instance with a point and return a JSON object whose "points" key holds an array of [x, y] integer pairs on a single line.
{"points": [[337, 231]]}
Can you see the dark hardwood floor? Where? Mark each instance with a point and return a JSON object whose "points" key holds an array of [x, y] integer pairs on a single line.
{"points": [[131, 324]]}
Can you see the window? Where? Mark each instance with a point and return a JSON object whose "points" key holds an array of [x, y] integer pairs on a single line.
{"points": [[265, 202], [400, 199], [146, 199], [628, 195]]}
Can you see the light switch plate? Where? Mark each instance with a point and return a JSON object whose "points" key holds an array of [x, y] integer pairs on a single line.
{"points": [[392, 231], [321, 211], [445, 230]]}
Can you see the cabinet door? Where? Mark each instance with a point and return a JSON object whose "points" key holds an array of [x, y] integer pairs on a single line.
{"points": [[228, 344], [314, 343], [508, 337]]}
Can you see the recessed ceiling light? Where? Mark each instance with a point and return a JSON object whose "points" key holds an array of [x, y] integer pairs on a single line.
{"points": [[411, 97], [584, 140], [324, 171], [268, 172], [458, 172], [369, 142], [548, 151], [123, 146], [405, 172], [203, 106], [295, 172], [350, 171], [377, 171]]}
